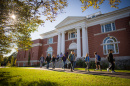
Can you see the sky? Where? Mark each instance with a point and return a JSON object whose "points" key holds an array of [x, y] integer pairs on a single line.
{"points": [[74, 9]]}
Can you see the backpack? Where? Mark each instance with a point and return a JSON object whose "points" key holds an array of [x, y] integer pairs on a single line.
{"points": [[99, 58], [87, 59], [70, 57]]}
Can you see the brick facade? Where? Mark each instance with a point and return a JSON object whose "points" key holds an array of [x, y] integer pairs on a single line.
{"points": [[95, 41]]}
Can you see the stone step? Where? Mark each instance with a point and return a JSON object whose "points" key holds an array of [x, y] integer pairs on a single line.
{"points": [[58, 64]]}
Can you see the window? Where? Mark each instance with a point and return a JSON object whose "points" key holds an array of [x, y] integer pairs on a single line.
{"points": [[50, 51], [72, 35], [108, 27], [110, 43], [50, 40]]}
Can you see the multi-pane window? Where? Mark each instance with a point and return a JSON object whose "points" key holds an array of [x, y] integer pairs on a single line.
{"points": [[108, 27], [110, 43], [50, 51], [72, 35], [50, 40]]}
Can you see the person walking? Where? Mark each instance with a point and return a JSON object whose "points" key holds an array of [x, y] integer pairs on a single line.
{"points": [[111, 60], [41, 60], [48, 59], [53, 61], [97, 61], [74, 61], [57, 57], [64, 61], [87, 60], [61, 55], [71, 59]]}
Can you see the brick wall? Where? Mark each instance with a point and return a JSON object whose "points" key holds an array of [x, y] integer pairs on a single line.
{"points": [[122, 36]]}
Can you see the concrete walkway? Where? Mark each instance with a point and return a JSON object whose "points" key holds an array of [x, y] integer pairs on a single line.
{"points": [[102, 73]]}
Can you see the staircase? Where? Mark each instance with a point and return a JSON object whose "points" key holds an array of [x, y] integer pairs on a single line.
{"points": [[58, 64]]}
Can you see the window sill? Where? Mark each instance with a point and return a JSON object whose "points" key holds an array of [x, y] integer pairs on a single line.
{"points": [[110, 31]]}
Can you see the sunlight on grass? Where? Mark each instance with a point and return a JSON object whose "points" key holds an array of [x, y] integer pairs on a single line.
{"points": [[126, 71], [29, 77]]}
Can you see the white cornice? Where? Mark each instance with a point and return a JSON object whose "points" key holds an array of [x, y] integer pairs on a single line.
{"points": [[37, 44], [108, 17], [49, 34], [27, 61], [70, 20]]}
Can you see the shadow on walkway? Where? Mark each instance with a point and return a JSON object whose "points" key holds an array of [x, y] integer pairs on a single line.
{"points": [[117, 74]]}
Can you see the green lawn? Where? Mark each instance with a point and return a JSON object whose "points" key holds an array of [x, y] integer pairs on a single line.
{"points": [[126, 71], [35, 77]]}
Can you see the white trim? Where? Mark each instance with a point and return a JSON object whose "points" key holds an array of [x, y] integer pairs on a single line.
{"points": [[37, 44], [50, 44], [72, 46], [110, 31], [27, 61], [110, 43]]}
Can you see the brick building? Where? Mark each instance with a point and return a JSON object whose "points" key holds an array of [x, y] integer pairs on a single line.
{"points": [[84, 34]]}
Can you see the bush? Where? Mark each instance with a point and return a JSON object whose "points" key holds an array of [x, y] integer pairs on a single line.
{"points": [[81, 64]]}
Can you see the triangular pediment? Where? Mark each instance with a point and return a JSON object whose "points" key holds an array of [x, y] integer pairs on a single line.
{"points": [[70, 20]]}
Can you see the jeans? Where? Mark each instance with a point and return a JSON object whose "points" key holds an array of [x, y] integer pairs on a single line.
{"points": [[87, 66], [72, 67], [64, 64], [48, 65], [41, 62], [53, 65], [112, 66]]}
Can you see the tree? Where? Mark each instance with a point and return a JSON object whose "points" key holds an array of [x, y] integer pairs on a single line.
{"points": [[12, 61], [1, 59], [29, 59], [19, 18], [96, 3]]}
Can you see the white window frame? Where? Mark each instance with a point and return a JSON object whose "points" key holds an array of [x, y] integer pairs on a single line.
{"points": [[69, 35], [49, 51], [105, 29], [48, 40], [109, 44]]}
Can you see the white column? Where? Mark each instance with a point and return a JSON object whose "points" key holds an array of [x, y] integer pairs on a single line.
{"points": [[84, 41], [59, 44], [63, 43], [78, 43], [87, 48]]}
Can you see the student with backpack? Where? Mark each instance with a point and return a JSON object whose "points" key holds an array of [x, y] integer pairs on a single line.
{"points": [[87, 60], [57, 57], [64, 61], [71, 59], [41, 60], [111, 60], [97, 61], [48, 59], [53, 61]]}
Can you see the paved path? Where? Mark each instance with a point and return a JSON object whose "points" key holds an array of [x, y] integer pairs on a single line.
{"points": [[117, 74]]}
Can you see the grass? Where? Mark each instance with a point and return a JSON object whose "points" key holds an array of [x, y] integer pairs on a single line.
{"points": [[126, 71], [33, 77]]}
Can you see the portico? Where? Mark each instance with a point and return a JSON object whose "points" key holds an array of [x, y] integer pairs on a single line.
{"points": [[73, 30]]}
